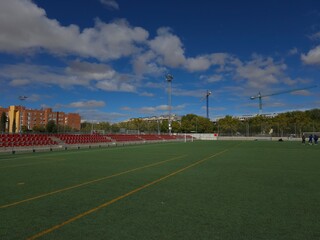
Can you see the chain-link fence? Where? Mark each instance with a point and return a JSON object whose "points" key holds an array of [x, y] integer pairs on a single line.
{"points": [[264, 129]]}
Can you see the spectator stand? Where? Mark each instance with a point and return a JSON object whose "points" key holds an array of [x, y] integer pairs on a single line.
{"points": [[41, 142]]}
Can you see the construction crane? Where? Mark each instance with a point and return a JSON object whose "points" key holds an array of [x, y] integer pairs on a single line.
{"points": [[260, 96], [207, 98]]}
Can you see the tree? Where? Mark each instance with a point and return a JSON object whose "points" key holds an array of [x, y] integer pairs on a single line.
{"points": [[24, 129], [314, 114], [3, 122], [38, 129], [137, 124], [282, 120], [204, 125], [164, 127], [295, 122], [314, 118], [189, 123], [86, 127], [153, 126], [259, 125], [115, 128], [104, 126], [63, 128], [228, 124], [298, 122], [176, 127], [51, 127]]}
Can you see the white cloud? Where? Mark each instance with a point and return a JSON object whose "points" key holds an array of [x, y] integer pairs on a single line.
{"points": [[312, 57], [189, 93], [302, 93], [86, 104], [148, 110], [220, 58], [315, 36], [260, 72], [145, 64], [213, 78], [92, 71], [153, 110], [113, 40], [35, 97], [293, 51], [157, 110], [25, 27], [115, 85], [161, 109], [110, 4], [200, 63], [156, 84], [31, 30], [23, 73], [35, 74], [105, 77], [93, 115], [90, 75], [19, 82], [146, 94], [289, 81], [168, 47]]}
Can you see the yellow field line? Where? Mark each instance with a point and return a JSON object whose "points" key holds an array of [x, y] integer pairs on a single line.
{"points": [[89, 182], [49, 230]]}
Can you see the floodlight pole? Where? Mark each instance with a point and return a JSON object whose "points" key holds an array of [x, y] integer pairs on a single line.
{"points": [[207, 97], [22, 98], [260, 104], [169, 79]]}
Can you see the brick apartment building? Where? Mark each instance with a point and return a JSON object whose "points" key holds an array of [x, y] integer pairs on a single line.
{"points": [[32, 117]]}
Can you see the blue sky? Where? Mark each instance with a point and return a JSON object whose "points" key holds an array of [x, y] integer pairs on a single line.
{"points": [[107, 59]]}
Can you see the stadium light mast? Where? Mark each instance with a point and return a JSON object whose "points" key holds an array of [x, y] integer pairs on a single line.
{"points": [[169, 79], [207, 97], [208, 93]]}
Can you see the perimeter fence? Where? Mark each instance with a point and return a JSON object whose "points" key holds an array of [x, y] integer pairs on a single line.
{"points": [[267, 130]]}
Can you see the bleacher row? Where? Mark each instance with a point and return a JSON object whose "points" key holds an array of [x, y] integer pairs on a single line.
{"points": [[25, 140], [17, 140], [81, 138]]}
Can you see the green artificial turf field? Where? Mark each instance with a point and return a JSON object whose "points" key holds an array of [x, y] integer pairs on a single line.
{"points": [[196, 190]]}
